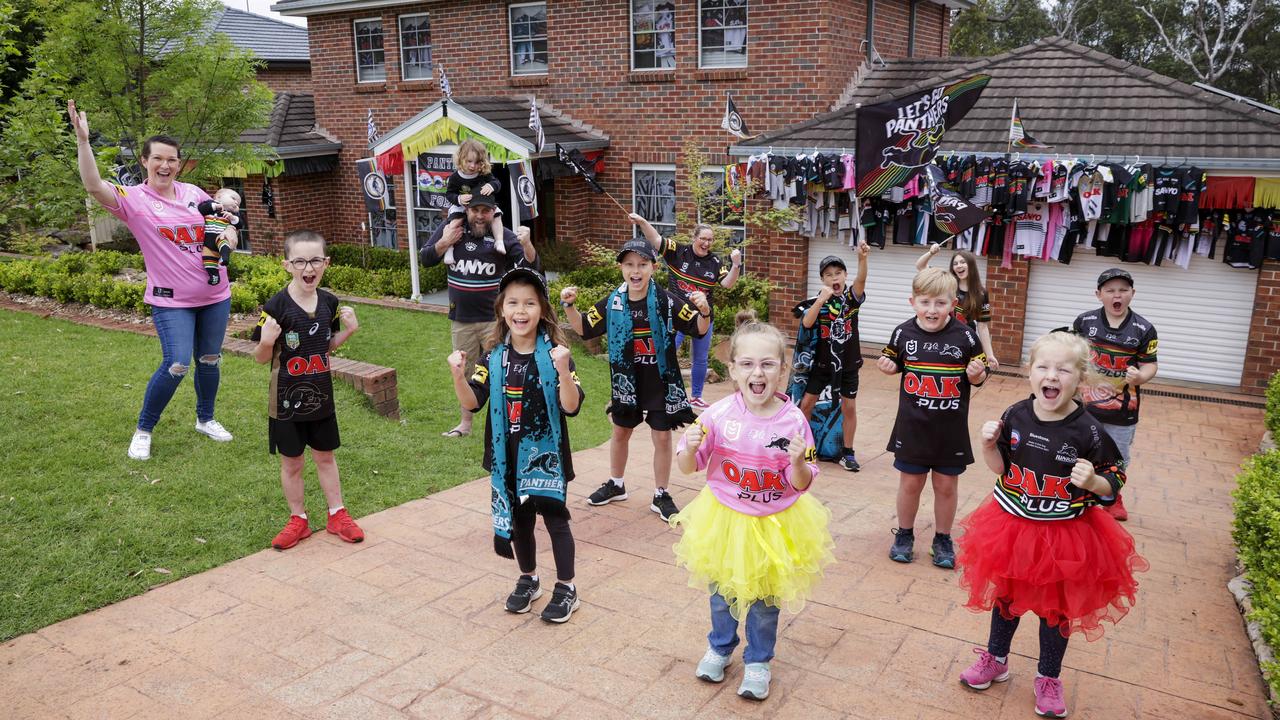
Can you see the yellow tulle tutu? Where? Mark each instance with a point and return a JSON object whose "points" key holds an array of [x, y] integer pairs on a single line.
{"points": [[777, 558]]}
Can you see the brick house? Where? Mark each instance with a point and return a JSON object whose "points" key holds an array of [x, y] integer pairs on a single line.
{"points": [[611, 74], [1218, 324]]}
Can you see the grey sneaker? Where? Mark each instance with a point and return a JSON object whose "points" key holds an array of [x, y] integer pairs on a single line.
{"points": [[755, 681], [527, 590], [711, 666], [943, 552], [903, 546]]}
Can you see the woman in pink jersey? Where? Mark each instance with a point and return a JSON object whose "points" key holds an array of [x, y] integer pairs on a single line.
{"points": [[190, 315], [753, 535]]}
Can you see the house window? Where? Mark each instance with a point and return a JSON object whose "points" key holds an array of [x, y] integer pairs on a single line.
{"points": [[371, 61], [415, 47], [653, 189], [720, 210], [722, 33], [242, 228], [653, 34], [528, 23]]}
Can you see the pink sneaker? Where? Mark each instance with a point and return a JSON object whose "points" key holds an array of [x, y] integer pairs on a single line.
{"points": [[1049, 700], [984, 671], [698, 403]]}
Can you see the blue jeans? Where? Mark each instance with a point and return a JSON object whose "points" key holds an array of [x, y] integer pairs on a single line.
{"points": [[184, 331], [701, 349], [762, 630]]}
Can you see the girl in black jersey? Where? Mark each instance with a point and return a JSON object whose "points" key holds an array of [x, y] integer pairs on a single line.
{"points": [[1041, 544]]}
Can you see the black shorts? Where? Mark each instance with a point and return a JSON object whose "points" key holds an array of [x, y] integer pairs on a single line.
{"points": [[292, 438], [657, 419], [845, 385]]}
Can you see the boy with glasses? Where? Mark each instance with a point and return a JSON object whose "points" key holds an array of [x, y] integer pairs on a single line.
{"points": [[300, 326]]}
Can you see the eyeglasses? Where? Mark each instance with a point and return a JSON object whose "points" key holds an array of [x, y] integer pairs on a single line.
{"points": [[766, 366], [303, 263]]}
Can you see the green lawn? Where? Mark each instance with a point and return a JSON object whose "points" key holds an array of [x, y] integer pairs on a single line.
{"points": [[84, 526]]}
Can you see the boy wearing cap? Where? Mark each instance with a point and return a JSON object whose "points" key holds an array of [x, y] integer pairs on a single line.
{"points": [[1122, 346], [475, 265], [837, 356], [641, 320]]}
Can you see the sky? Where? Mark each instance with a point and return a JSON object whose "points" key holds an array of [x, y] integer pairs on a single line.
{"points": [[263, 7]]}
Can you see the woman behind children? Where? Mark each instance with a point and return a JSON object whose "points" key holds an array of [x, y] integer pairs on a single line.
{"points": [[1039, 544], [753, 535], [528, 379], [973, 306]]}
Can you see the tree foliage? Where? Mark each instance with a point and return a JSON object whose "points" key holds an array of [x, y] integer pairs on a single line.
{"points": [[138, 68]]}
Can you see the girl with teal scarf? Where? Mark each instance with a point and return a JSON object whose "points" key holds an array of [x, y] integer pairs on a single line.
{"points": [[528, 379]]}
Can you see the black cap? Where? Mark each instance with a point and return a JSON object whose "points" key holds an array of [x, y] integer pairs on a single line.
{"points": [[523, 273], [1114, 274], [830, 260], [486, 200], [639, 247]]}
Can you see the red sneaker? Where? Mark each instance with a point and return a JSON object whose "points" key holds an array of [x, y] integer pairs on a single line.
{"points": [[341, 524], [1117, 510], [294, 530]]}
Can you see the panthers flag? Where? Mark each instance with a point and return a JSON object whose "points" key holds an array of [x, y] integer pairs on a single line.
{"points": [[580, 165], [732, 121], [526, 191], [898, 138], [952, 214]]}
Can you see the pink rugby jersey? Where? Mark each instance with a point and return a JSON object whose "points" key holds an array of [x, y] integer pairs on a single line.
{"points": [[170, 234], [746, 458]]}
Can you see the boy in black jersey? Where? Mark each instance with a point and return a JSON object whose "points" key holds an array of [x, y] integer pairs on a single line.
{"points": [[1122, 349], [838, 355], [300, 326], [939, 358]]}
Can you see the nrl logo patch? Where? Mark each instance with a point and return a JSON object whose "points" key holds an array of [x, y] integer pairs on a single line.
{"points": [[911, 347], [292, 340]]}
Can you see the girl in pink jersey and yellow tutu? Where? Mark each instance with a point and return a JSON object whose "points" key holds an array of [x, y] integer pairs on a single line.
{"points": [[753, 536]]}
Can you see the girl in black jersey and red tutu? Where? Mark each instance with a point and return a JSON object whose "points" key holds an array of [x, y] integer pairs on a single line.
{"points": [[1040, 544]]}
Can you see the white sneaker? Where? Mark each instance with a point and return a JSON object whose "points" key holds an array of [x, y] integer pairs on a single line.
{"points": [[213, 429], [140, 445]]}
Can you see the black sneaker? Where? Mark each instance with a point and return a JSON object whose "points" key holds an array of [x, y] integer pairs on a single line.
{"points": [[943, 552], [607, 493], [564, 600], [850, 462], [664, 505], [903, 546], [521, 599]]}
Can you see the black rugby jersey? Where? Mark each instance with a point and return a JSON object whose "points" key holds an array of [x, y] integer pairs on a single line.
{"points": [[1112, 352], [301, 386]]}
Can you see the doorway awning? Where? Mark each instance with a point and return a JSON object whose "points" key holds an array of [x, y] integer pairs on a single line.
{"points": [[501, 124]]}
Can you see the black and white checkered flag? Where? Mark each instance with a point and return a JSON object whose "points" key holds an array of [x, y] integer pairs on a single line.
{"points": [[732, 120], [535, 124], [371, 129], [444, 84]]}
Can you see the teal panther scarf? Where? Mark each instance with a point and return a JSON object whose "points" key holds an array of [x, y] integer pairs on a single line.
{"points": [[622, 353], [538, 470]]}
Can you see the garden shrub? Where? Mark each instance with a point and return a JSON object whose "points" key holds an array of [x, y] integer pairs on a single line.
{"points": [[1256, 532], [1271, 416]]}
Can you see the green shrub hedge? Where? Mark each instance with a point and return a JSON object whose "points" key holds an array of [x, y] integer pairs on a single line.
{"points": [[1257, 536], [595, 282], [1272, 415], [91, 278]]}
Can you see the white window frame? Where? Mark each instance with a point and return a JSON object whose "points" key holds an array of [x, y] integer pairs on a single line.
{"points": [[719, 170], [404, 62], [355, 46], [747, 28], [511, 39], [631, 27], [645, 167]]}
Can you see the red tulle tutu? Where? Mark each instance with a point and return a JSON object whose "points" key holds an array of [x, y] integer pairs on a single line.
{"points": [[1074, 573]]}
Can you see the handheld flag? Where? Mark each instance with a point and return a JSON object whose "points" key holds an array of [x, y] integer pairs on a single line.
{"points": [[535, 124], [732, 120], [952, 214], [898, 138], [371, 128], [1018, 136], [580, 165], [445, 88]]}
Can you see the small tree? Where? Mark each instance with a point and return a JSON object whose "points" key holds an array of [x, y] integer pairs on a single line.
{"points": [[732, 207], [138, 67]]}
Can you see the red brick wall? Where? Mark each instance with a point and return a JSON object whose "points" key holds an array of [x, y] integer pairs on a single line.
{"points": [[1007, 288], [295, 80], [1262, 355], [302, 201]]}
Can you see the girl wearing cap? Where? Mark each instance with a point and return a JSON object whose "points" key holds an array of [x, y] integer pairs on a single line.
{"points": [[973, 306], [529, 381], [641, 320]]}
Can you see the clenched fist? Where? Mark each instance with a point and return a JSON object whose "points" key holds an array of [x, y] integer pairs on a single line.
{"points": [[560, 359], [569, 295], [270, 329], [458, 362], [991, 432], [694, 435]]}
